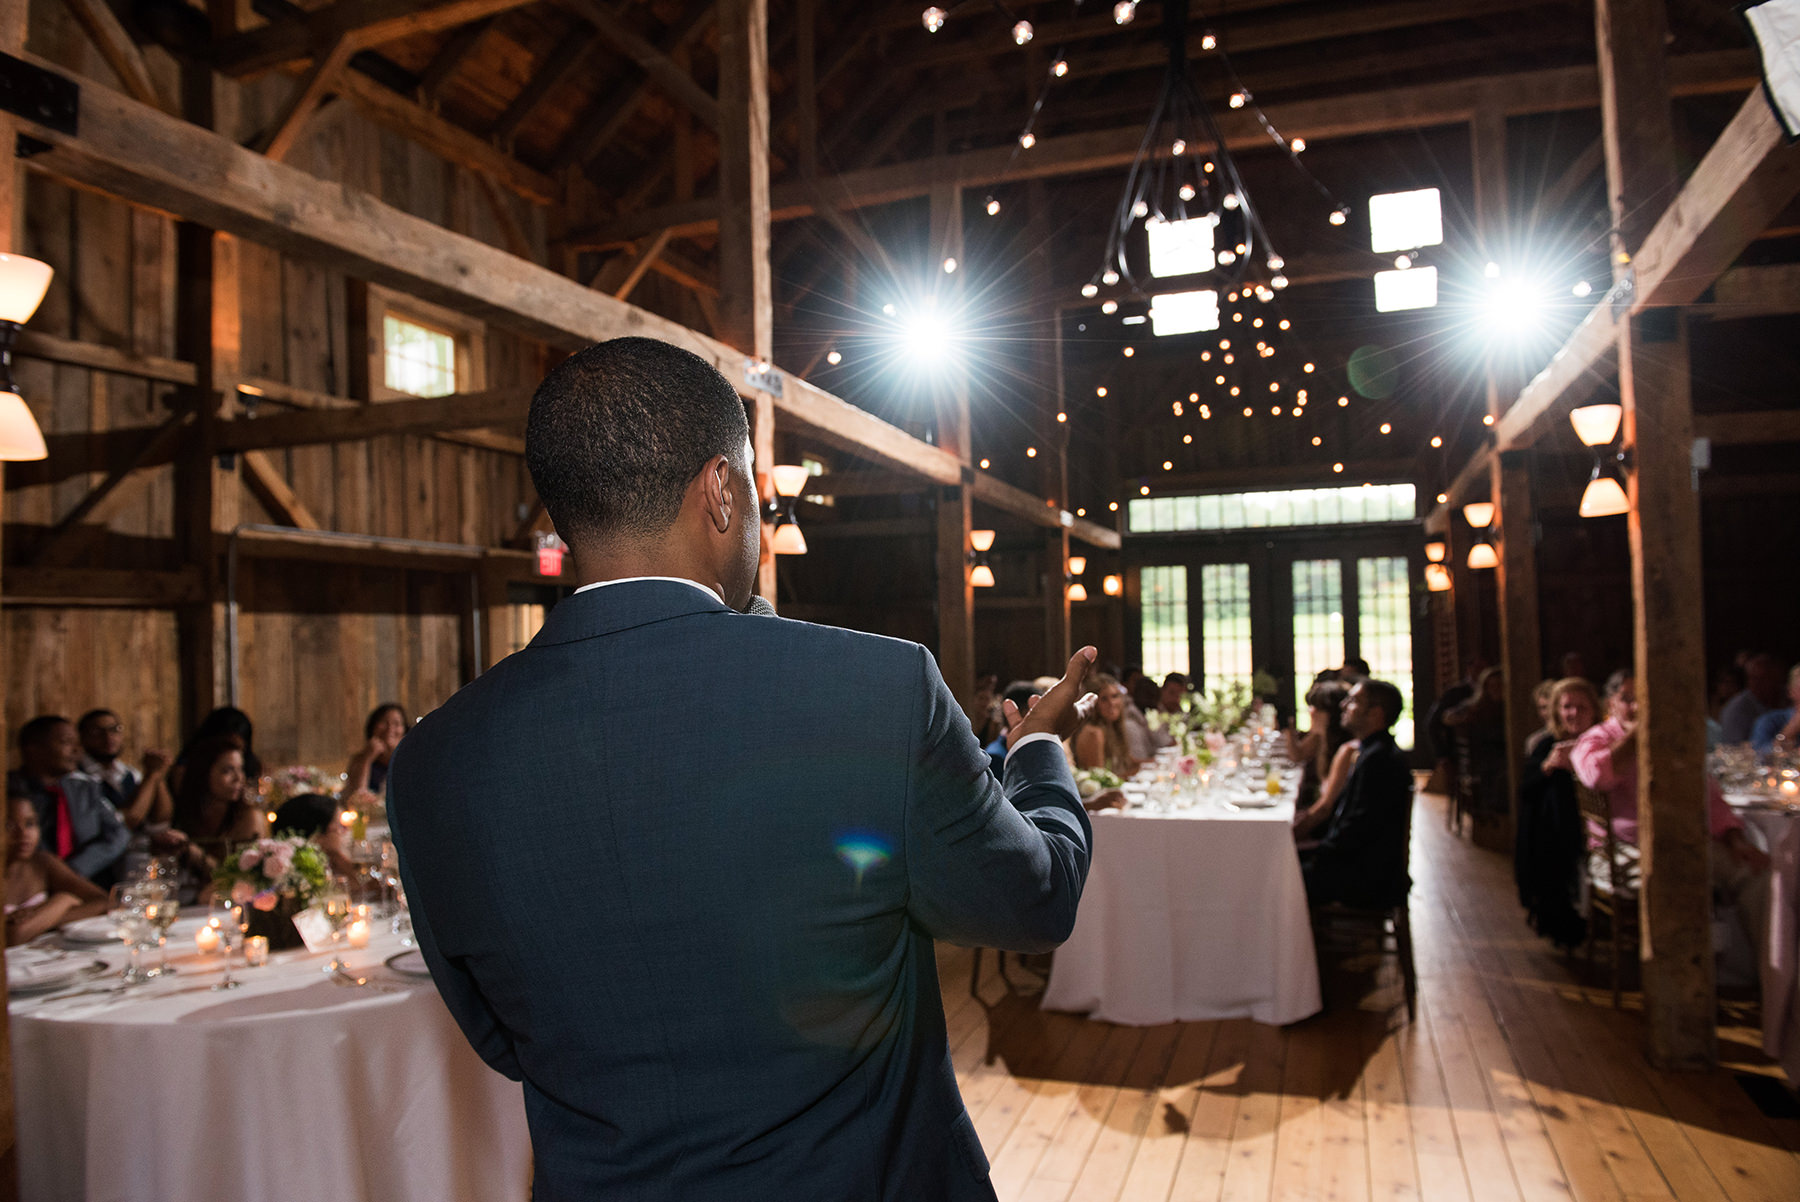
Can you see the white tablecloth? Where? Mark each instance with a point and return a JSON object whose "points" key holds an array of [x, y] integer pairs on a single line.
{"points": [[292, 1087], [1196, 915], [1778, 831]]}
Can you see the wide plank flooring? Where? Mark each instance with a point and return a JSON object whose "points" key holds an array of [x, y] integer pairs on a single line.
{"points": [[1519, 1081]]}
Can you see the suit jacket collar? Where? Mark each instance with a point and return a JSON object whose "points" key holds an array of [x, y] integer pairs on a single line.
{"points": [[622, 606]]}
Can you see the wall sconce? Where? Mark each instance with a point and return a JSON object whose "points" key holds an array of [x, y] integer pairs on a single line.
{"points": [[23, 282], [1436, 550], [1483, 555], [1479, 514], [1073, 588], [1596, 426], [786, 538], [982, 576], [1437, 578], [1112, 586]]}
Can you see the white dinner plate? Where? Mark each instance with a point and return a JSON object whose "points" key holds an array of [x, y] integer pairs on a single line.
{"points": [[1253, 803], [101, 929], [39, 970], [409, 963]]}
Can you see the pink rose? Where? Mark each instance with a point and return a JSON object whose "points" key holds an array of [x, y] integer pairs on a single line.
{"points": [[264, 901], [1215, 741], [248, 859], [241, 892], [1187, 765], [277, 863]]}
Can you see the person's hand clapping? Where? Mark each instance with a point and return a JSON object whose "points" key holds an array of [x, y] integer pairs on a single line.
{"points": [[1059, 711], [156, 761]]}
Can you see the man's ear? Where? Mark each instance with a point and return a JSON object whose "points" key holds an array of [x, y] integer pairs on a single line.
{"points": [[716, 477]]}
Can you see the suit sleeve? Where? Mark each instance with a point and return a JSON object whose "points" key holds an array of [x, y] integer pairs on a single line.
{"points": [[108, 843], [990, 863], [455, 984]]}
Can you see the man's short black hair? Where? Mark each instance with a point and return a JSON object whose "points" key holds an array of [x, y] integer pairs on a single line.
{"points": [[91, 717], [619, 430], [37, 731], [1387, 697], [1357, 664]]}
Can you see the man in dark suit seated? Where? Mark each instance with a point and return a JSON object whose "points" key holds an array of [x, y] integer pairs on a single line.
{"points": [[679, 868], [1361, 861]]}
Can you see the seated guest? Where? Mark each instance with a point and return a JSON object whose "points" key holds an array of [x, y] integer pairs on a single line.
{"points": [[1020, 693], [368, 770], [1762, 693], [225, 722], [1551, 843], [1540, 698], [317, 817], [1574, 667], [77, 824], [1323, 773], [1361, 860], [139, 797], [212, 807], [1355, 668], [1480, 723], [1780, 726], [1173, 692], [1100, 742], [1145, 694], [42, 892], [1604, 759]]}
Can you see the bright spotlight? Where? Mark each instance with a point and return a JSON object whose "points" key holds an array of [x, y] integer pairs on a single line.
{"points": [[1515, 305], [927, 335]]}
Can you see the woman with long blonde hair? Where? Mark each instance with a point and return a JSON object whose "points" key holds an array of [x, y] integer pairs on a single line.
{"points": [[1100, 741]]}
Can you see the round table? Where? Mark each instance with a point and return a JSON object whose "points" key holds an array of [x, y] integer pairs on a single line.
{"points": [[1188, 915], [295, 1086]]}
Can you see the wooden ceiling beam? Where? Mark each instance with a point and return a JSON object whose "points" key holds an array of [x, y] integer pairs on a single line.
{"points": [[570, 56], [611, 23], [127, 149], [449, 59], [365, 22], [605, 119], [1517, 94], [119, 50]]}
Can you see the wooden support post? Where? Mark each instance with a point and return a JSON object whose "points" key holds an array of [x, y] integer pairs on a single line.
{"points": [[747, 296], [806, 87], [1664, 525], [956, 595], [1521, 652], [1052, 436], [12, 41]]}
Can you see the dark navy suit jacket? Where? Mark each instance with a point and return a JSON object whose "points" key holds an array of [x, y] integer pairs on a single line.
{"points": [[679, 870], [1361, 861]]}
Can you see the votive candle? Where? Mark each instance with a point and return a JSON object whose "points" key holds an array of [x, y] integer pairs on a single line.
{"points": [[358, 933], [256, 951], [207, 939]]}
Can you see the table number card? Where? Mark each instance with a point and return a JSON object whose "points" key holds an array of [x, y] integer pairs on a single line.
{"points": [[314, 927]]}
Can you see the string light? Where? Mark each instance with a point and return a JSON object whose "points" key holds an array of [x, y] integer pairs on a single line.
{"points": [[1114, 507], [1022, 32], [1206, 356], [1297, 145], [1125, 12], [993, 207], [1176, 407], [1317, 441], [1337, 467], [1187, 439], [1143, 491], [1027, 140], [1340, 215], [1193, 397], [1129, 351], [1227, 258], [1168, 465], [1090, 290], [1031, 452], [1343, 401], [1110, 307], [1274, 385], [1443, 498], [984, 465], [834, 358], [1063, 417], [1109, 278], [1285, 324], [1307, 368], [1487, 419], [1275, 412], [1178, 148], [1206, 413], [1247, 409], [1100, 391], [1208, 42], [1187, 192], [1280, 281], [1081, 513], [1436, 441], [1231, 200], [1239, 99], [1387, 428], [1059, 68], [1219, 380], [1228, 360], [933, 19]]}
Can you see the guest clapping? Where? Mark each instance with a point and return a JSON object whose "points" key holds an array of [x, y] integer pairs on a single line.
{"points": [[368, 770], [139, 797], [42, 892], [212, 806], [1100, 741]]}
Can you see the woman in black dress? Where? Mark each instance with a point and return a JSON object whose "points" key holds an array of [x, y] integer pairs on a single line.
{"points": [[1551, 838]]}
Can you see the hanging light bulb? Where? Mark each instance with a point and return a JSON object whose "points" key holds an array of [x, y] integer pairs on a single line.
{"points": [[1125, 12], [1228, 257], [1027, 140], [1340, 215], [1402, 262], [1109, 277], [1090, 290], [1297, 145], [1141, 209], [933, 19], [1239, 99], [1179, 148], [1059, 68], [1208, 42], [1022, 32], [1280, 281], [834, 358], [1231, 200], [1109, 307], [950, 265], [1187, 192], [993, 207], [1276, 262]]}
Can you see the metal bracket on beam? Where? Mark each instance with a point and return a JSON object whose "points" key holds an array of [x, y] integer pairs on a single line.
{"points": [[762, 377], [39, 96]]}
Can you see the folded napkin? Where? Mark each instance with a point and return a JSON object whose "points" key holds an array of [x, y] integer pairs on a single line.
{"points": [[40, 968]]}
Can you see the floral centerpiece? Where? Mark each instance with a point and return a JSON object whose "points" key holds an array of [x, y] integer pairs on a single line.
{"points": [[298, 779], [273, 879]]}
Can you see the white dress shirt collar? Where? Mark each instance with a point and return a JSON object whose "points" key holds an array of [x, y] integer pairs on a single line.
{"points": [[672, 579]]}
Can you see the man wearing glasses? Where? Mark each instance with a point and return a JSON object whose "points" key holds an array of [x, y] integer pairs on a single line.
{"points": [[138, 796]]}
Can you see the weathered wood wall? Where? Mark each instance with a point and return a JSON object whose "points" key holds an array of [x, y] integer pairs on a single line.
{"points": [[321, 644]]}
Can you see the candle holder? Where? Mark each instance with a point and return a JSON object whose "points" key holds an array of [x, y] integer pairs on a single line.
{"points": [[256, 951]]}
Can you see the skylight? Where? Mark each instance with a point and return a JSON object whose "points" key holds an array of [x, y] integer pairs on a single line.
{"points": [[1181, 247], [1404, 220], [1414, 288], [1184, 312]]}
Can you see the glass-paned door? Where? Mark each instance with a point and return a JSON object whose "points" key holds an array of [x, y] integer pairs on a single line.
{"points": [[1318, 639], [1163, 595], [1225, 648], [1384, 629]]}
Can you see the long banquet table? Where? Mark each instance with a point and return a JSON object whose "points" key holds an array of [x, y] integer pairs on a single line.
{"points": [[1188, 915], [1777, 829], [295, 1086]]}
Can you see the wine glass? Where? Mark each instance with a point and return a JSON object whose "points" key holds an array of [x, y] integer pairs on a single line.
{"points": [[128, 901], [337, 906], [225, 920], [161, 913]]}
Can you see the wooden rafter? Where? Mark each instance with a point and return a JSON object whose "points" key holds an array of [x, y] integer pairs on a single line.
{"points": [[127, 149], [603, 122], [309, 94], [570, 56], [612, 24], [84, 523], [365, 23], [449, 59], [277, 495], [119, 50], [1554, 90]]}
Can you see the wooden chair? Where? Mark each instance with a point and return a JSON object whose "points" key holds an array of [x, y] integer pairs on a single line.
{"points": [[1342, 925], [1618, 903]]}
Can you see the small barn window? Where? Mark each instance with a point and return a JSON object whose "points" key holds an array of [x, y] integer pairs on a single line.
{"points": [[417, 358]]}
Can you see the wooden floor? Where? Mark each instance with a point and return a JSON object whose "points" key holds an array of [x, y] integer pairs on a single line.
{"points": [[1515, 1083]]}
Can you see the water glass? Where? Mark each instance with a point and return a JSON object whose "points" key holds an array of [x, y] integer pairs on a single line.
{"points": [[225, 919]]}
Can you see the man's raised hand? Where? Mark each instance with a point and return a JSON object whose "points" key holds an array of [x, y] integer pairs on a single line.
{"points": [[1059, 711]]}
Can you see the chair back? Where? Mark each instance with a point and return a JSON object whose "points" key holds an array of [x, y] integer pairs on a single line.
{"points": [[1597, 806]]}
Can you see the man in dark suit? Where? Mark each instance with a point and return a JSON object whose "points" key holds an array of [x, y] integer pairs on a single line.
{"points": [[679, 868], [1361, 861]]}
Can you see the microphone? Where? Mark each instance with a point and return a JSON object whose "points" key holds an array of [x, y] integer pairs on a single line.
{"points": [[760, 607]]}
